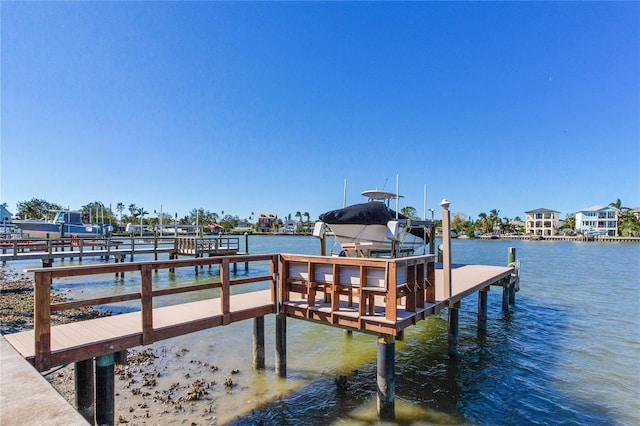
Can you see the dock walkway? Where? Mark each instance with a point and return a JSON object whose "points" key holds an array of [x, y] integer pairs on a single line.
{"points": [[26, 398]]}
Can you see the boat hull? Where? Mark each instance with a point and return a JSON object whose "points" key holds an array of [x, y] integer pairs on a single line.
{"points": [[374, 234], [35, 229]]}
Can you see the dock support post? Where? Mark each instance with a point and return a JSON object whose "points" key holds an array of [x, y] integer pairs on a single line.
{"points": [[511, 258], [105, 392], [83, 383], [505, 297], [482, 309], [47, 262], [323, 244], [281, 345], [120, 357], [446, 248], [258, 343], [386, 377], [453, 329]]}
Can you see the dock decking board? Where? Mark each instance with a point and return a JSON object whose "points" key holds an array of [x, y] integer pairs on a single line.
{"points": [[168, 321]]}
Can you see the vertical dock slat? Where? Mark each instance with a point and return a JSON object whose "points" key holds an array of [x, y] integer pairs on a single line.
{"points": [[421, 285], [146, 300], [225, 290], [411, 289], [391, 311], [42, 320]]}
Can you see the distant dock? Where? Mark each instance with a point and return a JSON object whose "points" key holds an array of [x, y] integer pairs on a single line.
{"points": [[599, 238], [48, 250]]}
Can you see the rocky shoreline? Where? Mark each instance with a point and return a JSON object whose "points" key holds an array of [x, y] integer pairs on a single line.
{"points": [[144, 393]]}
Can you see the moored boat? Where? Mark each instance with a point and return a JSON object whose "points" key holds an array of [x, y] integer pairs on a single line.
{"points": [[375, 226], [65, 224]]}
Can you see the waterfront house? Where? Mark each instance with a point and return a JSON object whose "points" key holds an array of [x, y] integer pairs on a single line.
{"points": [[597, 220], [5, 215], [266, 221], [542, 222]]}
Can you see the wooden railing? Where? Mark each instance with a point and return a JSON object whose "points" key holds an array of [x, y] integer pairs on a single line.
{"points": [[409, 277], [18, 245], [44, 278], [204, 245]]}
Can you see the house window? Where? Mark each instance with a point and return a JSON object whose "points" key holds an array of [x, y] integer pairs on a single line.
{"points": [[538, 215]]}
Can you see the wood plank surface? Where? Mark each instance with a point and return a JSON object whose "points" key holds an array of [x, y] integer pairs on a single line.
{"points": [[95, 331]]}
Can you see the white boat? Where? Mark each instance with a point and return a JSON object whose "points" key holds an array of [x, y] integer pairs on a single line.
{"points": [[66, 224], [374, 226]]}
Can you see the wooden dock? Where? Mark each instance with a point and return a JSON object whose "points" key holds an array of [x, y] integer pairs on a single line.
{"points": [[378, 296]]}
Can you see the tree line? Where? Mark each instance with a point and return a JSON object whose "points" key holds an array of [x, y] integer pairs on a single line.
{"points": [[122, 214], [96, 211], [492, 223]]}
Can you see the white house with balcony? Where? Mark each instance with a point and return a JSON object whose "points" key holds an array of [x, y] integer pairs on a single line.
{"points": [[597, 220], [542, 222]]}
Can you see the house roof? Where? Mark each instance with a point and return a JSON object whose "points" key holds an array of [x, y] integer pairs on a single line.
{"points": [[542, 210], [596, 208]]}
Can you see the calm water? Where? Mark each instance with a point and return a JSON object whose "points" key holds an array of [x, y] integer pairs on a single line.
{"points": [[567, 353]]}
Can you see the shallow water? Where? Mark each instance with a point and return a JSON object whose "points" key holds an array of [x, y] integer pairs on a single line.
{"points": [[567, 353]]}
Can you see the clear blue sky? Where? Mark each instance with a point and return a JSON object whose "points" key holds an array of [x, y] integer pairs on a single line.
{"points": [[269, 107]]}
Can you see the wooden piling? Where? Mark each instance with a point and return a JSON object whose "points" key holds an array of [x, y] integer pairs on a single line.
{"points": [[511, 258], [120, 357], [386, 377], [83, 383], [482, 309], [446, 248], [258, 343], [246, 250], [105, 391], [281, 345], [452, 335]]}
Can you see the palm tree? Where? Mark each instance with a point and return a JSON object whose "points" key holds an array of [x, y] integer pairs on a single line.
{"points": [[120, 207], [618, 205], [483, 221], [133, 209], [299, 216], [308, 216], [621, 209]]}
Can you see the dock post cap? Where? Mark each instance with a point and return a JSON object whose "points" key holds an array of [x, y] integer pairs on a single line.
{"points": [[445, 204]]}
